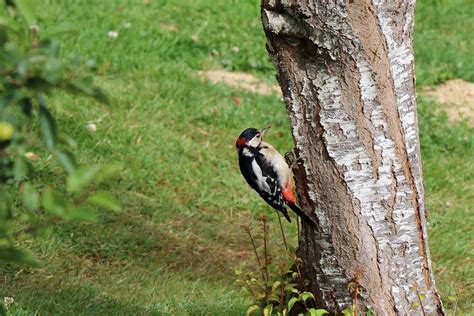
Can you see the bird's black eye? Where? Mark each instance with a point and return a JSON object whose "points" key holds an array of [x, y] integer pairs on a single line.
{"points": [[258, 135]]}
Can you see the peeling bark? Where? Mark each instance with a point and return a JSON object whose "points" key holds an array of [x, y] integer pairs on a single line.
{"points": [[346, 72]]}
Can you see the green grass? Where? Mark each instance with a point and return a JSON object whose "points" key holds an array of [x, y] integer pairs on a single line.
{"points": [[443, 41], [174, 248]]}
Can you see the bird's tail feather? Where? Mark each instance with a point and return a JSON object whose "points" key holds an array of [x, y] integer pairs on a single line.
{"points": [[285, 213], [302, 214]]}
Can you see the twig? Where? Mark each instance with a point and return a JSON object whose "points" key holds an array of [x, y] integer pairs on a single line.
{"points": [[419, 300], [265, 252], [247, 230], [251, 291], [282, 232], [299, 273], [298, 228], [356, 293], [282, 298]]}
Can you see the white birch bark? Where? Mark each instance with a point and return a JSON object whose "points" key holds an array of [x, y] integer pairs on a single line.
{"points": [[346, 72]]}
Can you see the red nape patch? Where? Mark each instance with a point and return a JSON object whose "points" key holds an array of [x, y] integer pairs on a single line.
{"points": [[240, 141], [288, 193]]}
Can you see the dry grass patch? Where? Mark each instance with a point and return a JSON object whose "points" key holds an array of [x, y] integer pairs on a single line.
{"points": [[457, 96], [240, 80]]}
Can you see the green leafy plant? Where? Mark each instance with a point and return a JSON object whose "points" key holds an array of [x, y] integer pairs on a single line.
{"points": [[278, 287], [31, 71]]}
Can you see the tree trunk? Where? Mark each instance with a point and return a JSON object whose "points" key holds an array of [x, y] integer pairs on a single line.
{"points": [[346, 72]]}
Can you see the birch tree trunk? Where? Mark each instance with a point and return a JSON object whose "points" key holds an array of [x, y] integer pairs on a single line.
{"points": [[346, 72]]}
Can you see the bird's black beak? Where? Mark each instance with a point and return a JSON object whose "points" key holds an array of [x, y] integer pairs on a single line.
{"points": [[264, 130]]}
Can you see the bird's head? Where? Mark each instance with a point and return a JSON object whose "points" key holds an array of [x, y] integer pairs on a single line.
{"points": [[251, 137]]}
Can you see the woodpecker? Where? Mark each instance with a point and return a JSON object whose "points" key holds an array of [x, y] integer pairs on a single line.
{"points": [[267, 172]]}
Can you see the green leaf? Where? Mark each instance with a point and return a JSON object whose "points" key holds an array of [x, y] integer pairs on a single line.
{"points": [[86, 86], [27, 10], [48, 124], [317, 312], [53, 203], [81, 178], [30, 197], [3, 35], [251, 309], [60, 29], [306, 295], [292, 302], [291, 287], [108, 170], [21, 169], [81, 214], [348, 312], [67, 160], [370, 312], [273, 298], [106, 200], [12, 254], [267, 311], [276, 285]]}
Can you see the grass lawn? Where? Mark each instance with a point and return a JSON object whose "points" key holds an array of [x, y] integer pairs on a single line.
{"points": [[174, 248]]}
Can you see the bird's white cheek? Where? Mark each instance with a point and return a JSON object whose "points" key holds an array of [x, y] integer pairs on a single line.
{"points": [[254, 142]]}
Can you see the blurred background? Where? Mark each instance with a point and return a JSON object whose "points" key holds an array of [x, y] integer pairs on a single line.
{"points": [[184, 78]]}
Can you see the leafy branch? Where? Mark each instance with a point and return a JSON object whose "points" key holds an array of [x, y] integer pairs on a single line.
{"points": [[31, 72]]}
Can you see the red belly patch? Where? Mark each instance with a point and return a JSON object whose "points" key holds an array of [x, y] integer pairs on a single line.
{"points": [[288, 193]]}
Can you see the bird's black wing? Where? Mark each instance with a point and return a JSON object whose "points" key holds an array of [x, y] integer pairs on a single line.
{"points": [[263, 179]]}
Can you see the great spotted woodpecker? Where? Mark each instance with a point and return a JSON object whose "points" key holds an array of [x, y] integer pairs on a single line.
{"points": [[267, 172]]}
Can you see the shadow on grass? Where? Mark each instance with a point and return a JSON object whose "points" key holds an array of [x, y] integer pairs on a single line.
{"points": [[72, 300], [98, 269]]}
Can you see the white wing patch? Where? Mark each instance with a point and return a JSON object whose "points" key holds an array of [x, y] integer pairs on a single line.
{"points": [[246, 152], [261, 180]]}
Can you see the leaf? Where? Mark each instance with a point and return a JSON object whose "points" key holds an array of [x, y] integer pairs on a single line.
{"points": [[60, 29], [317, 312], [348, 312], [370, 312], [27, 10], [106, 200], [86, 86], [267, 311], [3, 311], [3, 35], [21, 169], [26, 106], [291, 287], [251, 309], [276, 285], [67, 160], [306, 295], [81, 178], [30, 197], [292, 302], [53, 203], [81, 214], [48, 124], [273, 298], [108, 170], [12, 254]]}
